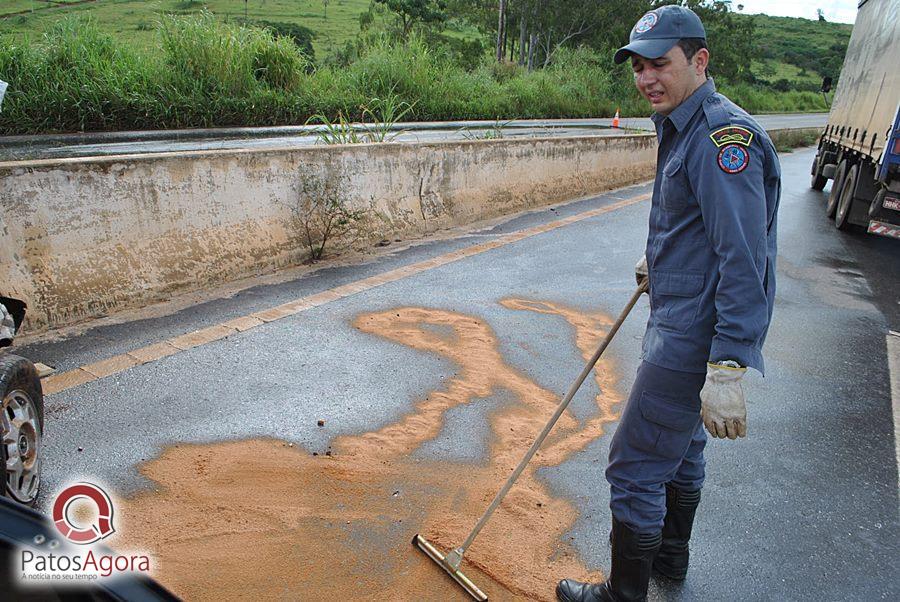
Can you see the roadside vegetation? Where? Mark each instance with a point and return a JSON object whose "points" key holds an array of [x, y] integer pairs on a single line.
{"points": [[795, 54], [415, 59], [787, 140]]}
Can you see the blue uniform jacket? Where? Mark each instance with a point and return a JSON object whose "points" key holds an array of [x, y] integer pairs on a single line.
{"points": [[711, 248]]}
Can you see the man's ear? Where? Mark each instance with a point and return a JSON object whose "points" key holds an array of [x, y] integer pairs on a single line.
{"points": [[701, 61]]}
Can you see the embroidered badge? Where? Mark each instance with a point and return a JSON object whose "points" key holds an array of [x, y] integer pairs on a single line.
{"points": [[733, 158], [646, 23], [731, 134]]}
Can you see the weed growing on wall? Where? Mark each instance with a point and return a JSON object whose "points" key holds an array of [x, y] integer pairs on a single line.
{"points": [[323, 214]]}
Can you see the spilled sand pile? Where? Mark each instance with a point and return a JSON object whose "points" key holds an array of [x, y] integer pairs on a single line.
{"points": [[259, 519]]}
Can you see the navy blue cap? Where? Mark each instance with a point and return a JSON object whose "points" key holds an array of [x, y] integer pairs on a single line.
{"points": [[660, 29]]}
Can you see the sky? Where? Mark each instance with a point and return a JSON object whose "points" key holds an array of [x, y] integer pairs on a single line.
{"points": [[841, 11]]}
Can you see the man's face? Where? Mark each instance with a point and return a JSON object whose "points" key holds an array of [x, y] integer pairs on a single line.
{"points": [[667, 81]]}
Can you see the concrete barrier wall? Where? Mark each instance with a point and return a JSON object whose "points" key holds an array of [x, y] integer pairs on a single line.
{"points": [[84, 237]]}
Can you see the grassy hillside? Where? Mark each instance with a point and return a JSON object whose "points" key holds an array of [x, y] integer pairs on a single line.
{"points": [[134, 22], [799, 52], [92, 65], [793, 51]]}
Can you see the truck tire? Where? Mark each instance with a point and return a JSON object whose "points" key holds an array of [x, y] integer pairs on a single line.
{"points": [[877, 204], [21, 429], [836, 186], [818, 181], [842, 214]]}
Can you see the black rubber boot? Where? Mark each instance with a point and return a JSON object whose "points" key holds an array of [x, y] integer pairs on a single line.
{"points": [[673, 556], [632, 558]]}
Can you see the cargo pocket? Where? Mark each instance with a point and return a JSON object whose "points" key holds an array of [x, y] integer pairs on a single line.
{"points": [[667, 426], [675, 298], [674, 190]]}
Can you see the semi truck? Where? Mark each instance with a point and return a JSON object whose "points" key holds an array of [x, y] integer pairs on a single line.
{"points": [[859, 150]]}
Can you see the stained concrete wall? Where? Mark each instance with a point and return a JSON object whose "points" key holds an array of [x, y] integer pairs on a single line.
{"points": [[85, 237]]}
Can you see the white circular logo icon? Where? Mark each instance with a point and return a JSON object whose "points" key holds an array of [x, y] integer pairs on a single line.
{"points": [[646, 23]]}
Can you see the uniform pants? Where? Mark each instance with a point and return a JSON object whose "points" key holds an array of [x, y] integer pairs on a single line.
{"points": [[659, 440]]}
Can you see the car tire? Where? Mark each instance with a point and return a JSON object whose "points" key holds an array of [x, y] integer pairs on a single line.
{"points": [[21, 428], [845, 202], [836, 186], [818, 181]]}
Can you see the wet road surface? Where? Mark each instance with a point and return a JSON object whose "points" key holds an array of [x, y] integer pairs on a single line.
{"points": [[433, 366]]}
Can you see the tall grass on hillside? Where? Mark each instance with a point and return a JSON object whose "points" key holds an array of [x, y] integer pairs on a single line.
{"points": [[207, 73], [76, 78], [222, 59]]}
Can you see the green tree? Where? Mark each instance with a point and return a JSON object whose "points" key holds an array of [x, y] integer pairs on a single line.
{"points": [[411, 12], [731, 39]]}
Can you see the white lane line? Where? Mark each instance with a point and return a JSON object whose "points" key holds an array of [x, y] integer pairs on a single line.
{"points": [[893, 353]]}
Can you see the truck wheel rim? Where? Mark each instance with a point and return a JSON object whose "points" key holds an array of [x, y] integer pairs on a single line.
{"points": [[837, 187], [845, 198], [21, 438]]}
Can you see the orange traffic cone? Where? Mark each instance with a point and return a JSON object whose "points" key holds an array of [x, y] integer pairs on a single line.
{"points": [[616, 118]]}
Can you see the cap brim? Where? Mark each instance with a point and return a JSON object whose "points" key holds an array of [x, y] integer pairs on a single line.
{"points": [[650, 49]]}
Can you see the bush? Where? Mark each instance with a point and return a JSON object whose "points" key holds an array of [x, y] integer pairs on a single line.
{"points": [[77, 78], [221, 59], [278, 63], [755, 99], [302, 37]]}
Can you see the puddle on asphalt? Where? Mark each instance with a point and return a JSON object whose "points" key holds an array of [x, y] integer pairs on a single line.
{"points": [[260, 519]]}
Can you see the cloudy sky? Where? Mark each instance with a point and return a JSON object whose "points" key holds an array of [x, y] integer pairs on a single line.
{"points": [[842, 11]]}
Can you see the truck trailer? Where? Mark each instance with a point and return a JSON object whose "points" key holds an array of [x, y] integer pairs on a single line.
{"points": [[860, 147]]}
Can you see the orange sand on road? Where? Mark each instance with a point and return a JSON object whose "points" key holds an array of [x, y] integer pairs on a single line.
{"points": [[259, 519]]}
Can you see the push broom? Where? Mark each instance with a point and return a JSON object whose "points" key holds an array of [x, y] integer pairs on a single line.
{"points": [[452, 561]]}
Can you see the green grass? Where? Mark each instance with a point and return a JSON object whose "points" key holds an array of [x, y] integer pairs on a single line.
{"points": [[207, 73], [788, 45], [122, 64], [135, 22], [774, 70], [799, 50]]}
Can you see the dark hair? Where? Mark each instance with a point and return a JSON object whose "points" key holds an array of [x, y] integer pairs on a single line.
{"points": [[690, 46]]}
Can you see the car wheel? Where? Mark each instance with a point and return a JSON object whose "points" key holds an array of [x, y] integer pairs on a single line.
{"points": [[836, 186], [22, 422], [818, 181], [842, 215]]}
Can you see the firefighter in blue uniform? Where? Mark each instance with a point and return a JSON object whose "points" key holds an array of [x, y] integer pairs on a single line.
{"points": [[710, 260]]}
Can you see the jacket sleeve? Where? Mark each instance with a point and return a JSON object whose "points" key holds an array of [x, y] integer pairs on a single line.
{"points": [[729, 182]]}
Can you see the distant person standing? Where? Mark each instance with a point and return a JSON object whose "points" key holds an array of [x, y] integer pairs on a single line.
{"points": [[710, 260]]}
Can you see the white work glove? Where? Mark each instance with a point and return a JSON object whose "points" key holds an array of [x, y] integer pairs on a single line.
{"points": [[641, 271], [722, 403], [7, 327]]}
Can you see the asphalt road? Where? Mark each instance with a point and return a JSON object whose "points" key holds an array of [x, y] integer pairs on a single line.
{"points": [[805, 508], [15, 148]]}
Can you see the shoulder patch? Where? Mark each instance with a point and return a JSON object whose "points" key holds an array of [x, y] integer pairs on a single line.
{"points": [[732, 134], [733, 158]]}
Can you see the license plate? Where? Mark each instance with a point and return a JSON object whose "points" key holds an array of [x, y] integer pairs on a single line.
{"points": [[892, 203]]}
